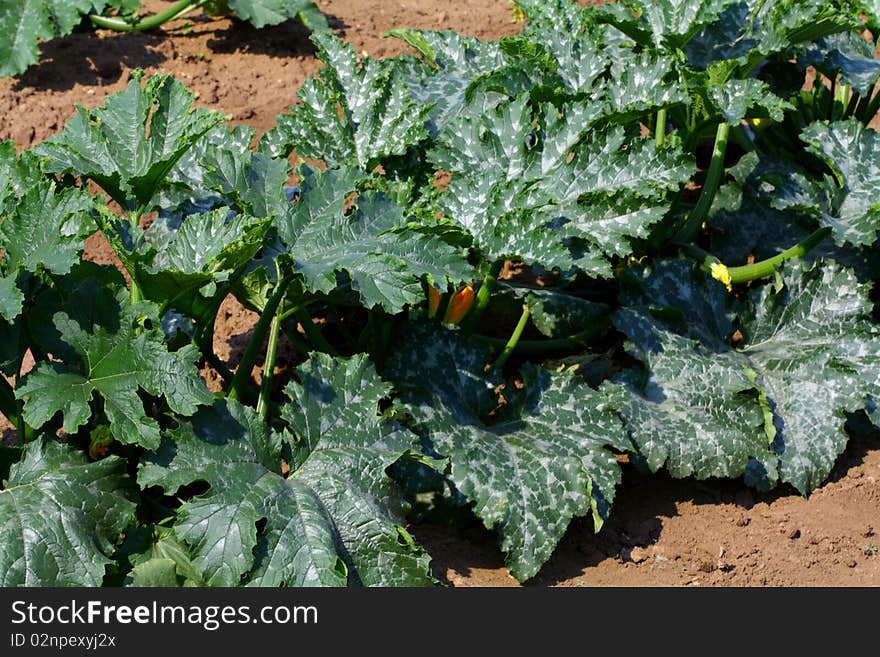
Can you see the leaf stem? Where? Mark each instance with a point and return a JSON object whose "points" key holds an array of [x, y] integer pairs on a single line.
{"points": [[841, 101], [764, 268], [542, 348], [482, 299], [149, 23], [514, 338], [269, 366], [691, 227], [243, 373], [660, 128]]}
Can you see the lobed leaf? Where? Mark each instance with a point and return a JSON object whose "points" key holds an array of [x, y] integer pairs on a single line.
{"points": [[379, 117], [544, 458], [772, 406], [335, 520], [130, 144], [60, 516], [116, 358]]}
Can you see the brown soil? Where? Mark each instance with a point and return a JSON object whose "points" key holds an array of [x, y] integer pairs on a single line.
{"points": [[662, 532]]}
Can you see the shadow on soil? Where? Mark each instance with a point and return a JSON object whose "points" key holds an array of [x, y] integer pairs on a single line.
{"points": [[288, 39], [643, 502], [62, 66]]}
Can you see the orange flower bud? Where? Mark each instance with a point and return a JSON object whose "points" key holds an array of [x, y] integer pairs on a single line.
{"points": [[433, 300], [460, 304]]}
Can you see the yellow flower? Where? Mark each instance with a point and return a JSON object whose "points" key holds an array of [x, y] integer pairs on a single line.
{"points": [[722, 274]]}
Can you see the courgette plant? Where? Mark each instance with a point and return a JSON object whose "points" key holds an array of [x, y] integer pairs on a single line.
{"points": [[644, 230]]}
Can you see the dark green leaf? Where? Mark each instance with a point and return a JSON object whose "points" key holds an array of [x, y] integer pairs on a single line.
{"points": [[380, 117], [272, 12], [541, 460], [772, 406], [115, 361], [60, 516], [130, 144], [384, 261], [335, 520]]}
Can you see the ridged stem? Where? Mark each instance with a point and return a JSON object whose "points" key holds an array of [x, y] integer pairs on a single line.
{"points": [[762, 269], [688, 232], [249, 358], [149, 23], [514, 338], [660, 128], [269, 367]]}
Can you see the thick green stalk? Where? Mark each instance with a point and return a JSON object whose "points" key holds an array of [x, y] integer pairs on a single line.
{"points": [[660, 128], [545, 348], [243, 374], [691, 228], [514, 338], [853, 104], [757, 270], [149, 23], [766, 267], [482, 299], [841, 101], [269, 367]]}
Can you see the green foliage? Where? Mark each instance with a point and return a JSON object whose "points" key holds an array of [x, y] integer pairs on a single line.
{"points": [[61, 516]]}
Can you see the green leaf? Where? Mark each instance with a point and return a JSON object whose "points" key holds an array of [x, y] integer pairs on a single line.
{"points": [[750, 31], [17, 175], [384, 260], [11, 298], [130, 144], [848, 54], [447, 88], [542, 459], [673, 23], [203, 249], [786, 23], [335, 520], [558, 315], [158, 559], [60, 517], [853, 154], [735, 98], [643, 82], [223, 162], [525, 192], [45, 229], [746, 224], [118, 357], [772, 406], [272, 12], [27, 22], [380, 118]]}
